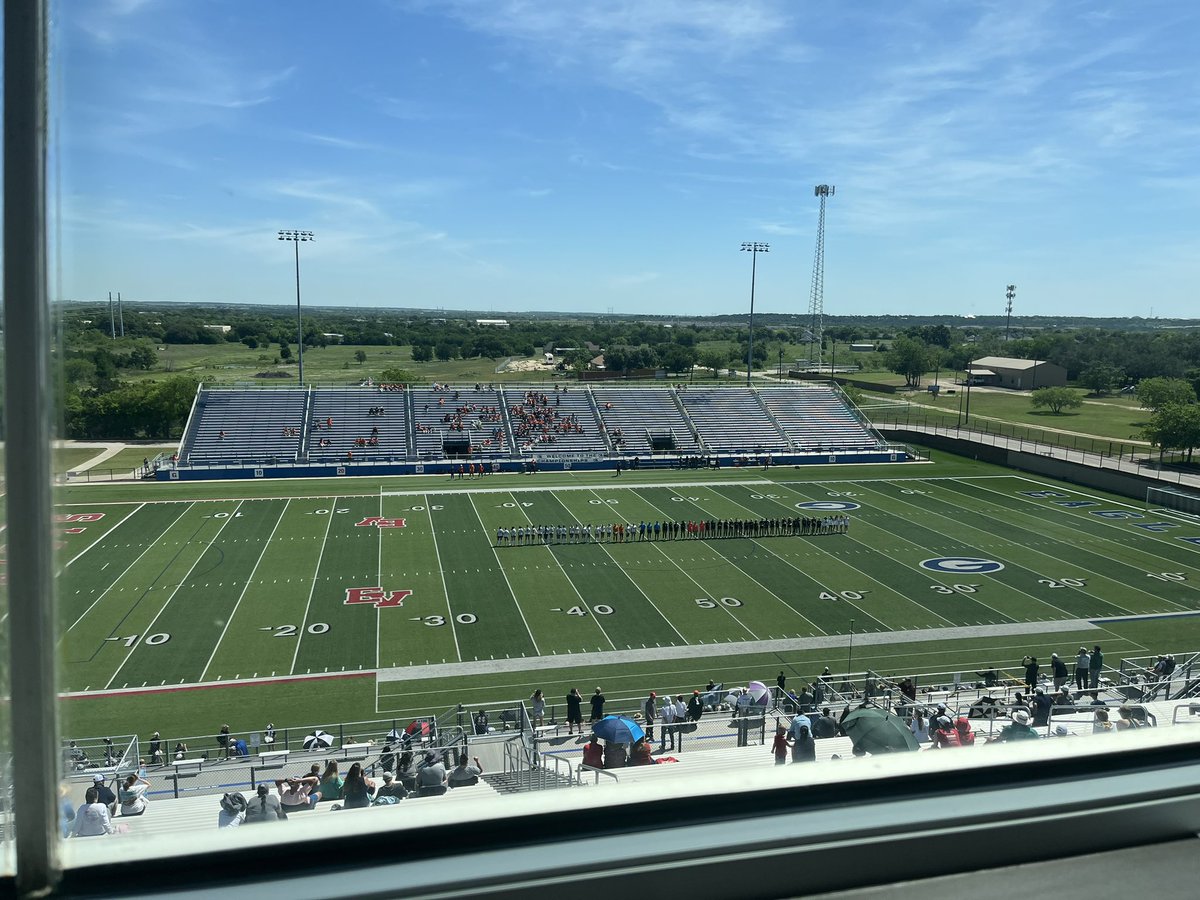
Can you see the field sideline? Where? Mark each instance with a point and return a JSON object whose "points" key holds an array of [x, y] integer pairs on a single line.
{"points": [[208, 588]]}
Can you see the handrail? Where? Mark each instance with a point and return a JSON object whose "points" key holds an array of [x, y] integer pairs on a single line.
{"points": [[581, 768]]}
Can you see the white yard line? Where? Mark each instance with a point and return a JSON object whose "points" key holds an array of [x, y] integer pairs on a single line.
{"points": [[437, 556], [511, 592], [163, 608], [379, 582], [102, 537], [245, 588], [595, 618], [123, 574], [312, 590]]}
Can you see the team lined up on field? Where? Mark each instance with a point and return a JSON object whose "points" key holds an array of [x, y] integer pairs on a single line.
{"points": [[708, 529]]}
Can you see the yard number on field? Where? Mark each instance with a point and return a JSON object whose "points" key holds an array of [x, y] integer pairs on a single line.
{"points": [[152, 640], [706, 603], [599, 609], [954, 588], [841, 595], [1063, 582], [290, 630], [1167, 576], [436, 621]]}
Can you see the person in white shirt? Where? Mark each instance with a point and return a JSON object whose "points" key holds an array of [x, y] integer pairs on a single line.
{"points": [[92, 818], [667, 731], [233, 810], [133, 796]]}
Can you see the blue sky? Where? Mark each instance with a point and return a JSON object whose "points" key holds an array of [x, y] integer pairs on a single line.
{"points": [[562, 155]]}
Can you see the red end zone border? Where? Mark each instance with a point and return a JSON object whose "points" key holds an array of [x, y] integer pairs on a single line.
{"points": [[233, 682]]}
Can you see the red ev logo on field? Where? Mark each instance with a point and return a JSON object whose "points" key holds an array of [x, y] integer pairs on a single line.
{"points": [[376, 596], [379, 522]]}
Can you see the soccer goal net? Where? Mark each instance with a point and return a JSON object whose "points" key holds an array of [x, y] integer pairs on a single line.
{"points": [[1174, 499]]}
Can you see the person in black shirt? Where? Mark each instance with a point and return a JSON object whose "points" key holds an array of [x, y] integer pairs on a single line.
{"points": [[574, 712], [597, 705]]}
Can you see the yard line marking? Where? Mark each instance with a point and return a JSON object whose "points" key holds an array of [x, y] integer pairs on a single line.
{"points": [[1101, 521], [631, 581], [700, 586], [102, 538], [1027, 548], [379, 580], [245, 588], [127, 568], [486, 537], [312, 590], [437, 554], [594, 617], [163, 608], [758, 542]]}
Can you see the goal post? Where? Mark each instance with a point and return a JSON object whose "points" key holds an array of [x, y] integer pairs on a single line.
{"points": [[1173, 499]]}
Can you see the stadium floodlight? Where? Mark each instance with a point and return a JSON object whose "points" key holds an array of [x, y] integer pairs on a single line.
{"points": [[297, 237], [753, 248]]}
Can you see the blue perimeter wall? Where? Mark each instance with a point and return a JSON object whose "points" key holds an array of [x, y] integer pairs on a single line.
{"points": [[445, 467]]}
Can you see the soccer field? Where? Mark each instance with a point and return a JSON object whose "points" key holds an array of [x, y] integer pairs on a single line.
{"points": [[170, 592]]}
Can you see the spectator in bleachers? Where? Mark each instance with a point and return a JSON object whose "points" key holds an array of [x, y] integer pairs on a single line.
{"points": [[1101, 724], [223, 741], [1083, 664], [667, 731], [92, 818], [641, 754], [1041, 708], [181, 750], [133, 795], [480, 722], [965, 735], [465, 774], [574, 711], [649, 711], [1095, 667], [1018, 730], [66, 812], [264, 806], [537, 708], [597, 706], [155, 750], [1063, 697], [593, 753], [331, 782], [298, 794], [804, 748], [431, 776], [387, 758], [1126, 721], [107, 797], [825, 726], [616, 756], [945, 735], [406, 770], [1058, 670], [919, 726], [233, 810], [391, 788], [1031, 672], [358, 789], [779, 747], [695, 707]]}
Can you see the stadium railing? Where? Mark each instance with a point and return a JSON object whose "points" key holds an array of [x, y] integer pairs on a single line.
{"points": [[1137, 676]]}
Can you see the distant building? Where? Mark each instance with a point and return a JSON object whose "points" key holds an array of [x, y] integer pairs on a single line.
{"points": [[224, 329], [492, 323], [862, 348], [1019, 374], [333, 337]]}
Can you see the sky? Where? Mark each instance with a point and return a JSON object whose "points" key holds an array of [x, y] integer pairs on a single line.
{"points": [[526, 155]]}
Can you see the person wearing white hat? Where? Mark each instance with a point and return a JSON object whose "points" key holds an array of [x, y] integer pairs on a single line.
{"points": [[1019, 730]]}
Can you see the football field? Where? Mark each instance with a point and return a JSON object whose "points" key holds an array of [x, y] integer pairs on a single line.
{"points": [[186, 591]]}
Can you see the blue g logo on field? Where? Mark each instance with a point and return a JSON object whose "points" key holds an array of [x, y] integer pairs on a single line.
{"points": [[829, 505], [962, 565]]}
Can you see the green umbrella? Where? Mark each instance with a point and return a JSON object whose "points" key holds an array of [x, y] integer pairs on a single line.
{"points": [[878, 731]]}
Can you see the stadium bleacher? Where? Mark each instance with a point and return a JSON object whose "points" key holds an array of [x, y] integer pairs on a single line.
{"points": [[475, 415], [345, 421], [246, 426], [733, 420], [631, 414], [816, 418], [554, 422]]}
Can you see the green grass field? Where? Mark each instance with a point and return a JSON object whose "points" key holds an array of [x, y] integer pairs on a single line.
{"points": [[164, 585]]}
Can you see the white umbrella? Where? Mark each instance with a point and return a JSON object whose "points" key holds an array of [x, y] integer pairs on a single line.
{"points": [[758, 691], [318, 740]]}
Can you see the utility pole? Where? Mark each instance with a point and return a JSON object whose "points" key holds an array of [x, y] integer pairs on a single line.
{"points": [[112, 320], [753, 248], [121, 313], [816, 299]]}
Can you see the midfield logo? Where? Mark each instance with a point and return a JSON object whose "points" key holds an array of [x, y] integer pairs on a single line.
{"points": [[376, 596], [379, 522]]}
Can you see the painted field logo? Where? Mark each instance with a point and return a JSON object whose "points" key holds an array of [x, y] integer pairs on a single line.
{"points": [[379, 522], [828, 505], [959, 565], [376, 596]]}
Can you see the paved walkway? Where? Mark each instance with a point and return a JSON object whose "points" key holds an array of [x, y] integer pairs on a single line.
{"points": [[1168, 477], [108, 452]]}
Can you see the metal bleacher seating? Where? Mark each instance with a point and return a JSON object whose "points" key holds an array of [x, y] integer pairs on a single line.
{"points": [[541, 421], [352, 420], [630, 414], [732, 419], [246, 426], [438, 412], [816, 418]]}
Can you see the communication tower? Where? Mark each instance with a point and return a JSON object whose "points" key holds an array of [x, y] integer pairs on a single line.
{"points": [[816, 301]]}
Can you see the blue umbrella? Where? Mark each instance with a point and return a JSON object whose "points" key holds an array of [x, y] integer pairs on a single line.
{"points": [[618, 730]]}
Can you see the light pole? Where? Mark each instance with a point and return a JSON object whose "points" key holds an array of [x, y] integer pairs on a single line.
{"points": [[754, 248], [297, 237], [780, 365], [1009, 294], [850, 652]]}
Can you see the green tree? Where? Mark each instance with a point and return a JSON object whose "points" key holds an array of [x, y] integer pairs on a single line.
{"points": [[361, 356], [910, 357], [1100, 378], [1056, 399], [1155, 393], [395, 375], [676, 358], [1175, 426], [422, 352], [444, 351], [285, 352], [711, 359]]}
